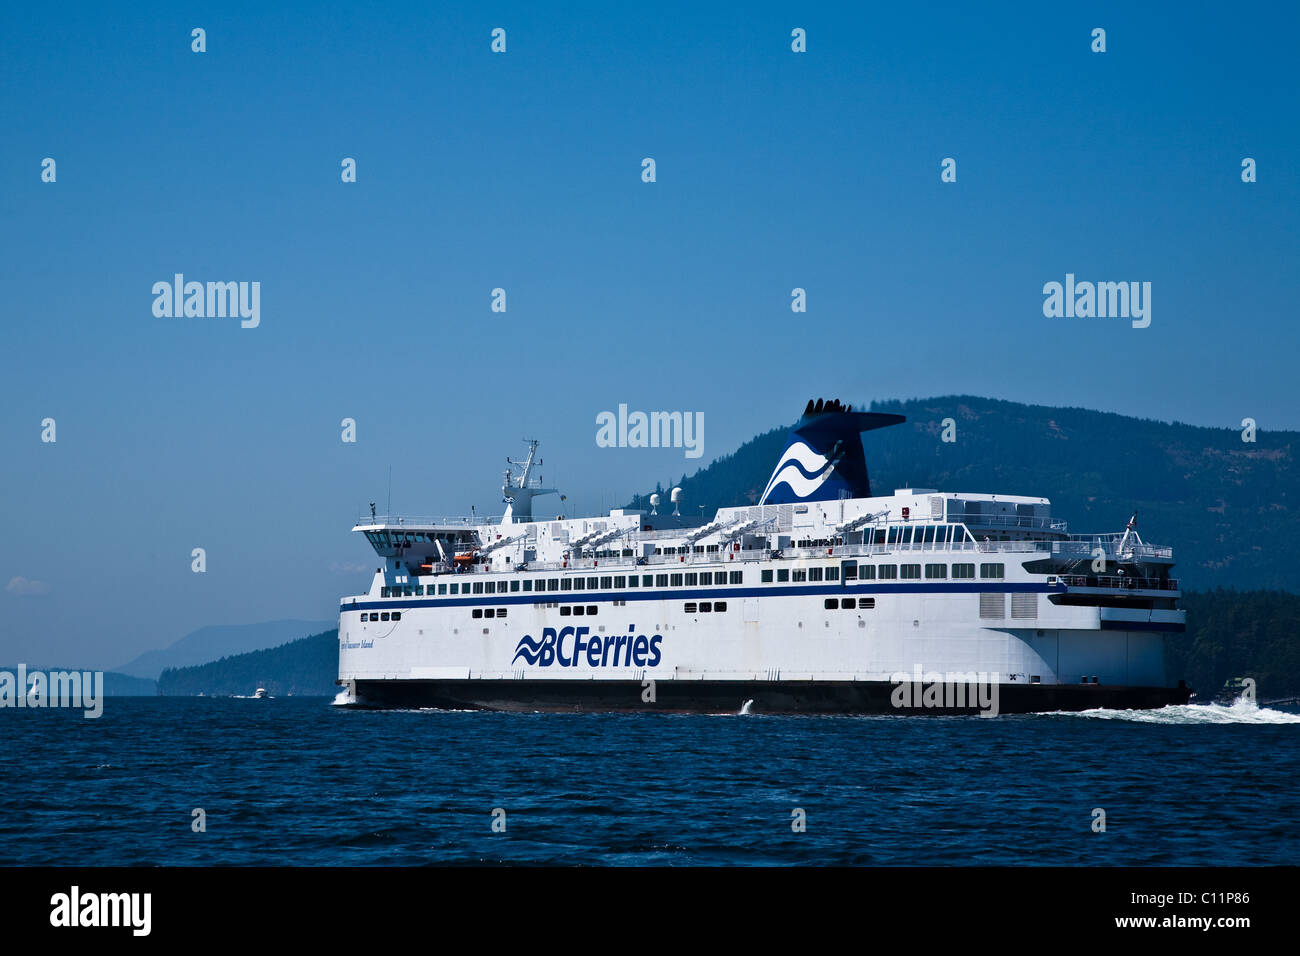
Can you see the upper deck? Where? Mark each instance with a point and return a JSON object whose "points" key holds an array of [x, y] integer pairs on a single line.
{"points": [[909, 521]]}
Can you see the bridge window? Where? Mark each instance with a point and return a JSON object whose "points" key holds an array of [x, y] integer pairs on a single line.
{"points": [[566, 584], [620, 581], [766, 576], [815, 574], [514, 585], [832, 573], [799, 574], [887, 572], [528, 584], [606, 583], [552, 584], [911, 571], [661, 580], [692, 580], [677, 580], [593, 584], [706, 578], [963, 570], [633, 580], [936, 570], [783, 574], [992, 570]]}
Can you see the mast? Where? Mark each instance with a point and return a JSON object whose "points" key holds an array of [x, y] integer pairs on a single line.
{"points": [[519, 490]]}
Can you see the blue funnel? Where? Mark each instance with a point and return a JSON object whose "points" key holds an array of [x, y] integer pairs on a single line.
{"points": [[823, 458]]}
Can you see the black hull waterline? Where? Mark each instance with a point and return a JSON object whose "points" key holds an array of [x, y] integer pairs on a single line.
{"points": [[757, 697]]}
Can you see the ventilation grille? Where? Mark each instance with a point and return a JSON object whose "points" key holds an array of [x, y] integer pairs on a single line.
{"points": [[993, 605], [1024, 605]]}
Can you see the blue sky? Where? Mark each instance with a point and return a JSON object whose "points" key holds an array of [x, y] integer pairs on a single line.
{"points": [[522, 171]]}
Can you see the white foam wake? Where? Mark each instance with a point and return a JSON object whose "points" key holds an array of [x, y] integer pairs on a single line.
{"points": [[343, 698], [1240, 711]]}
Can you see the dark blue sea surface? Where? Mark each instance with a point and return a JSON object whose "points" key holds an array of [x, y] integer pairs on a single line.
{"points": [[299, 781]]}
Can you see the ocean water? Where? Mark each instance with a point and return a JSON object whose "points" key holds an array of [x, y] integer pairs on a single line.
{"points": [[299, 781]]}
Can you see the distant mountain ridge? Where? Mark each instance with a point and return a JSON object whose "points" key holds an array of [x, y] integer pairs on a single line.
{"points": [[302, 668], [1227, 507], [115, 684], [220, 640]]}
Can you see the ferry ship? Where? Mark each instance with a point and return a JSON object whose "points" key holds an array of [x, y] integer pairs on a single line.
{"points": [[820, 598]]}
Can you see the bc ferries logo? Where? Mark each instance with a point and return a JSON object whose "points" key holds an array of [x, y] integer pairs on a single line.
{"points": [[575, 646], [802, 470]]}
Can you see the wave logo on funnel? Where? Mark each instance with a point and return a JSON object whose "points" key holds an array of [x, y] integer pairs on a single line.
{"points": [[802, 470], [824, 460]]}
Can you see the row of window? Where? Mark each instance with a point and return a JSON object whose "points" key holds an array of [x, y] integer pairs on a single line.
{"points": [[848, 604], [577, 610], [381, 616], [489, 612], [691, 579], [704, 607], [883, 572], [608, 582]]}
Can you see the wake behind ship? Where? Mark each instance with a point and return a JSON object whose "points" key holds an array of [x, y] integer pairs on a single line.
{"points": [[820, 598]]}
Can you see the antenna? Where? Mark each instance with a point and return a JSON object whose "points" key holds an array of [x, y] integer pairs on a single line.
{"points": [[390, 489]]}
